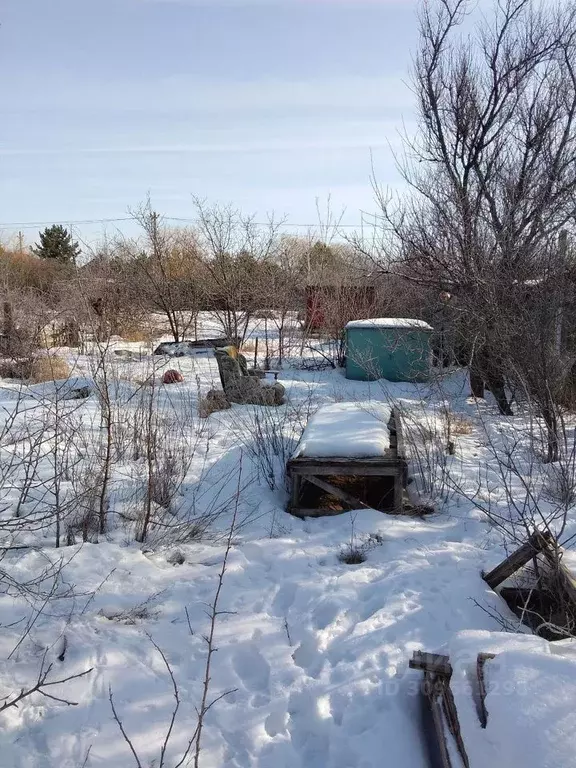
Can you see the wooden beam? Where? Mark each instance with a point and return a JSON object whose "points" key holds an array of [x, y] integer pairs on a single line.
{"points": [[295, 496], [452, 721], [431, 662], [433, 689], [398, 494], [338, 492], [346, 470], [535, 544], [385, 460], [480, 663]]}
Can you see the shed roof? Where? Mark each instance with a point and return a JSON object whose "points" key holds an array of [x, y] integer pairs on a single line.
{"points": [[389, 322]]}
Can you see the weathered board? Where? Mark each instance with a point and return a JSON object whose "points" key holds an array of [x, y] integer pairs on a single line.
{"points": [[437, 673]]}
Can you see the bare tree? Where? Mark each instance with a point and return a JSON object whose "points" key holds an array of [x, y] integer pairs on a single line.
{"points": [[491, 175], [168, 268], [233, 248]]}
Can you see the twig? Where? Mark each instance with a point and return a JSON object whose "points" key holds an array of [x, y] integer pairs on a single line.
{"points": [[213, 614], [41, 683]]}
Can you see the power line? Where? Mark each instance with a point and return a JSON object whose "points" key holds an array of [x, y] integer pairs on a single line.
{"points": [[79, 222], [33, 224]]}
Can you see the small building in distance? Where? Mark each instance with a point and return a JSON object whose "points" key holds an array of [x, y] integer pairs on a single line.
{"points": [[397, 349]]}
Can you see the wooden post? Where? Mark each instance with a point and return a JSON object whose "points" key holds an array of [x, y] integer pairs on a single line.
{"points": [[295, 498]]}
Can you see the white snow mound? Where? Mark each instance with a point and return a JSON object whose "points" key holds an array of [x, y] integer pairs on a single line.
{"points": [[354, 430], [531, 689]]}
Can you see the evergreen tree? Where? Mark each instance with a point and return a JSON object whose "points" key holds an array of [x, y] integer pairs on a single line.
{"points": [[56, 243]]}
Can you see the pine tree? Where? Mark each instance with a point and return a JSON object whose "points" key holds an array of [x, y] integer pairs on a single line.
{"points": [[56, 243]]}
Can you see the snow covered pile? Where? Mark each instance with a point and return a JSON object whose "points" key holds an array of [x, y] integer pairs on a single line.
{"points": [[352, 430], [531, 690]]}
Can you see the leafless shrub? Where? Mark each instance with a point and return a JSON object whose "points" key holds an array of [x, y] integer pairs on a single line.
{"points": [[171, 465], [269, 436], [43, 683], [352, 555], [355, 552], [426, 444], [20, 368], [48, 368], [192, 751], [143, 611]]}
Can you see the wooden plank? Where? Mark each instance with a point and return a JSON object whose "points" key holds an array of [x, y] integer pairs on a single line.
{"points": [[340, 470], [452, 720], [437, 673], [344, 461], [431, 662], [535, 544], [433, 689], [480, 662], [348, 498], [295, 496]]}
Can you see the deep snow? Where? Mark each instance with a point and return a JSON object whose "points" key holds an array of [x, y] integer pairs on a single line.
{"points": [[315, 651]]}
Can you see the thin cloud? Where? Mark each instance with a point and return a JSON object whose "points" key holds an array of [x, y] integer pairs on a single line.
{"points": [[361, 142]]}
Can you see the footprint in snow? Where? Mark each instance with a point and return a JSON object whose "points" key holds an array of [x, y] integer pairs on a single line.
{"points": [[325, 614], [252, 669], [308, 657], [276, 723], [283, 599]]}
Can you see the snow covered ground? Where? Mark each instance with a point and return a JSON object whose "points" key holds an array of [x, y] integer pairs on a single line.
{"points": [[312, 653]]}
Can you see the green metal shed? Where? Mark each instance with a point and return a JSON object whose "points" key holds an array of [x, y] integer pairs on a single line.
{"points": [[393, 348]]}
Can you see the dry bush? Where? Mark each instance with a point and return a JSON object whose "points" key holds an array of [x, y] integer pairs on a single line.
{"points": [[15, 369], [136, 329], [459, 424], [144, 611], [48, 368], [214, 401]]}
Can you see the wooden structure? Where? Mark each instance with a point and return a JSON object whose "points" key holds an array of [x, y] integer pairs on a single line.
{"points": [[319, 471], [551, 603], [440, 699]]}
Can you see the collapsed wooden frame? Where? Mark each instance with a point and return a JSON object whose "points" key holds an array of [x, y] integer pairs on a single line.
{"points": [[437, 674], [316, 470], [559, 581]]}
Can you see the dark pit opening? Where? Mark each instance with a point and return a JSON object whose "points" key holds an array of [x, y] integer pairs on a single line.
{"points": [[545, 610], [376, 492]]}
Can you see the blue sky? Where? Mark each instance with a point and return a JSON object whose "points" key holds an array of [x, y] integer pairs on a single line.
{"points": [[269, 104]]}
